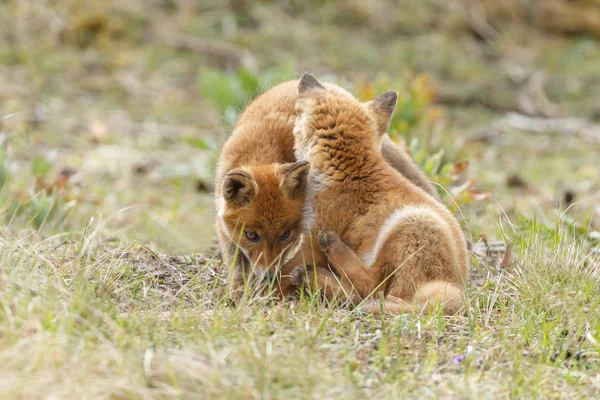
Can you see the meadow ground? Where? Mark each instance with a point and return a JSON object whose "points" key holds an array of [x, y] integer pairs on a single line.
{"points": [[111, 115]]}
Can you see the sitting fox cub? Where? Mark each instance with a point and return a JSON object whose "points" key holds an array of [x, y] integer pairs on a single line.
{"points": [[260, 189], [380, 232]]}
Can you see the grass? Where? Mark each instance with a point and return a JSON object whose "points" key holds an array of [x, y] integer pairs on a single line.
{"points": [[79, 320], [111, 116]]}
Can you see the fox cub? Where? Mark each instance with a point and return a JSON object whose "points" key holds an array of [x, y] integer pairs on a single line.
{"points": [[260, 188], [380, 232]]}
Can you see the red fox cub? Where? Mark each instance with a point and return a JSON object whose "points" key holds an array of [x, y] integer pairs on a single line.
{"points": [[260, 189], [380, 232]]}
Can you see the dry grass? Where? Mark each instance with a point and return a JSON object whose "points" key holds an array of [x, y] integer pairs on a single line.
{"points": [[91, 322]]}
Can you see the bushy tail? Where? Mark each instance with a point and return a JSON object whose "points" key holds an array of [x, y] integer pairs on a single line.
{"points": [[427, 297]]}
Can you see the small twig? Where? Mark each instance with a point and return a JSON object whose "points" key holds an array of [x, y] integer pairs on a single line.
{"points": [[578, 126]]}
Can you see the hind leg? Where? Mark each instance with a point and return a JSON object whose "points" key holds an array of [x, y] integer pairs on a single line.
{"points": [[422, 260], [414, 287], [344, 261], [422, 278]]}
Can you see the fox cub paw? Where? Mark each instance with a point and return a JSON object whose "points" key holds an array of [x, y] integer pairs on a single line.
{"points": [[328, 240], [298, 276]]}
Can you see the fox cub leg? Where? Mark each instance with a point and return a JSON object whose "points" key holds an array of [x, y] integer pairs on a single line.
{"points": [[422, 260], [416, 264], [331, 286], [348, 266]]}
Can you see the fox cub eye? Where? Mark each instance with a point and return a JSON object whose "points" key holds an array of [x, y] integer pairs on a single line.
{"points": [[285, 236], [251, 236]]}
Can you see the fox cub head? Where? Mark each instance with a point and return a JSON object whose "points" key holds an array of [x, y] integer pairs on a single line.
{"points": [[319, 112], [261, 209]]}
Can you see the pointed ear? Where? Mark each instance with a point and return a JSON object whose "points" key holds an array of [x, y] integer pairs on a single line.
{"points": [[294, 178], [308, 82], [239, 187], [383, 107]]}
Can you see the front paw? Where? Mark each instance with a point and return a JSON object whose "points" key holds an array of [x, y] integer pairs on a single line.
{"points": [[298, 277], [289, 283], [327, 240]]}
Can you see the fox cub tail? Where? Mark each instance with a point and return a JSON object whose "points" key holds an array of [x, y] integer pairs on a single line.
{"points": [[427, 297]]}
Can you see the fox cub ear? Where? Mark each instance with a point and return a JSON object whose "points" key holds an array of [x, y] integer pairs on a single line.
{"points": [[239, 187], [308, 82], [293, 183], [383, 108]]}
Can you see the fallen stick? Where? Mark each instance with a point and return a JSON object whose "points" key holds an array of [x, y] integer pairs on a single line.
{"points": [[581, 127], [226, 52]]}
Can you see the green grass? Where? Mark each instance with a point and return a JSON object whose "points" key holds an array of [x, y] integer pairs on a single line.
{"points": [[111, 117]]}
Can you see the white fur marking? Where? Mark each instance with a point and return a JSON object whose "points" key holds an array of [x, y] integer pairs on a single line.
{"points": [[388, 228]]}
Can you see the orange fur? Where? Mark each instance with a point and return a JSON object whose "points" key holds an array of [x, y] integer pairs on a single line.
{"points": [[380, 232], [251, 194]]}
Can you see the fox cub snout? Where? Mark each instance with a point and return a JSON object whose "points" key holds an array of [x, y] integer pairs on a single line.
{"points": [[262, 210]]}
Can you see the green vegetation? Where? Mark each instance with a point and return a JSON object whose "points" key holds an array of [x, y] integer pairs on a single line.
{"points": [[111, 116]]}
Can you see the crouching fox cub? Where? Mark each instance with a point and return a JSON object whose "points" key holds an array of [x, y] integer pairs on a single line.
{"points": [[260, 189], [380, 232]]}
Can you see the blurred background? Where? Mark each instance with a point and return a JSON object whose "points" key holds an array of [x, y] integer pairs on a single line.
{"points": [[115, 110]]}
